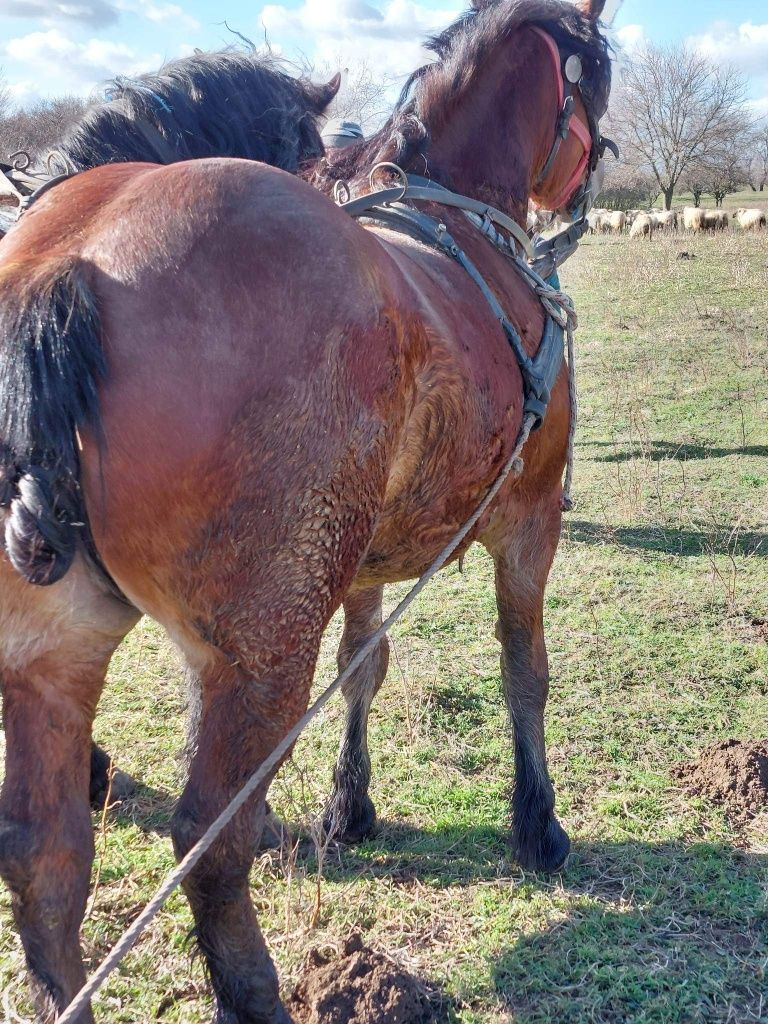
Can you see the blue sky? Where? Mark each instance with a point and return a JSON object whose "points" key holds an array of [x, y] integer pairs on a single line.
{"points": [[55, 46]]}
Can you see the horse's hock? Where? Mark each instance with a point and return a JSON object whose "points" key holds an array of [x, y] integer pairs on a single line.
{"points": [[360, 986]]}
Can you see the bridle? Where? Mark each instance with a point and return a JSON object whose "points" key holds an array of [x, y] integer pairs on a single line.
{"points": [[568, 73]]}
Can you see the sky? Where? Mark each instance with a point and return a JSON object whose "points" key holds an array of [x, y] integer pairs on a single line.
{"points": [[50, 47]]}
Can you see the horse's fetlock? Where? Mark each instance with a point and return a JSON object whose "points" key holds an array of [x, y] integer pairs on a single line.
{"points": [[185, 830], [18, 844]]}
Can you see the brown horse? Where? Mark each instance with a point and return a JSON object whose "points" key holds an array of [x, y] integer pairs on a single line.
{"points": [[226, 404], [224, 103]]}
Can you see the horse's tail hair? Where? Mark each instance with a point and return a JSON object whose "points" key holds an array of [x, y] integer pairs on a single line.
{"points": [[51, 363]]}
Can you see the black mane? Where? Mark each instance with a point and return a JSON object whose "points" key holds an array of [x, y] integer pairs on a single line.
{"points": [[461, 51], [228, 103]]}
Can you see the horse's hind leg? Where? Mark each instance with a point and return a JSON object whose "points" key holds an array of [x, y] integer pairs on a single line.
{"points": [[522, 567], [351, 814], [248, 705], [55, 646]]}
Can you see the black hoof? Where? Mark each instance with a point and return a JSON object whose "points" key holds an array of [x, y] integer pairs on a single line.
{"points": [[120, 787], [548, 852], [345, 825], [276, 833]]}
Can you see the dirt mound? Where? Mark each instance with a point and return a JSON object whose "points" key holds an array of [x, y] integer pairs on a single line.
{"points": [[360, 986], [733, 773]]}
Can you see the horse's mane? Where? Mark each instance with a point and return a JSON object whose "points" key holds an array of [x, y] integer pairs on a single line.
{"points": [[226, 103], [462, 49]]}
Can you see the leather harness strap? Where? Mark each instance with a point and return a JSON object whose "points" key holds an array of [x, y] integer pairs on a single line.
{"points": [[385, 208]]}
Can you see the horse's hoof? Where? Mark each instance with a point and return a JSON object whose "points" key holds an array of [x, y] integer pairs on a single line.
{"points": [[350, 828], [548, 853], [121, 787], [276, 833]]}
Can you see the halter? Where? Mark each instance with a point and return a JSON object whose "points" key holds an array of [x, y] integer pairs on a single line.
{"points": [[568, 73]]}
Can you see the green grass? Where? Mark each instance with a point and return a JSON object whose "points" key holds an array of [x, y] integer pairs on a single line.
{"points": [[656, 650]]}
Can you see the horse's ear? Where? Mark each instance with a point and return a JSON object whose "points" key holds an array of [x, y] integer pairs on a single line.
{"points": [[592, 8], [323, 94]]}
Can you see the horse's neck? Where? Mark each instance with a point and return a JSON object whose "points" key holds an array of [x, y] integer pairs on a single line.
{"points": [[492, 150]]}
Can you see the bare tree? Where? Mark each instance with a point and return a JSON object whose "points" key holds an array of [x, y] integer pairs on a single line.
{"points": [[626, 187], [757, 157], [694, 179], [366, 96], [363, 96], [672, 105], [721, 170], [5, 97], [37, 128]]}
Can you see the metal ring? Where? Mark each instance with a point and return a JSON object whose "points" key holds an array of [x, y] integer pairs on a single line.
{"points": [[341, 192], [385, 165], [55, 161], [23, 163]]}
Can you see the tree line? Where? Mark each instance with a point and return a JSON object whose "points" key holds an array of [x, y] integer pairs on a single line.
{"points": [[683, 124], [37, 127]]}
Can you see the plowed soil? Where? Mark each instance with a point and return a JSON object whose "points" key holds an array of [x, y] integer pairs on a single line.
{"points": [[360, 986], [732, 773]]}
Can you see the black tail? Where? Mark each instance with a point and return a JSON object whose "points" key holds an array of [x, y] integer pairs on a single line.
{"points": [[51, 363]]}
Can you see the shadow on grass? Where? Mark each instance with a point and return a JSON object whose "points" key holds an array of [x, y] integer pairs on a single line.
{"points": [[658, 451], [669, 541], [628, 931], [147, 808], [649, 932]]}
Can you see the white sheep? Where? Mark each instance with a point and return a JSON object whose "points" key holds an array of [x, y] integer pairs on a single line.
{"points": [[616, 222], [715, 220], [693, 218], [666, 220], [750, 219], [642, 227]]}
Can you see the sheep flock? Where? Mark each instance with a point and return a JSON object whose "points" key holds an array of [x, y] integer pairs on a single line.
{"points": [[643, 223]]}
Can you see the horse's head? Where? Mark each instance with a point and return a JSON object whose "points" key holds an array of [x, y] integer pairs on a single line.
{"points": [[572, 173], [509, 109]]}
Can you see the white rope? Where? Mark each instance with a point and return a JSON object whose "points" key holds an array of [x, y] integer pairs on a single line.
{"points": [[180, 872], [566, 501], [562, 310]]}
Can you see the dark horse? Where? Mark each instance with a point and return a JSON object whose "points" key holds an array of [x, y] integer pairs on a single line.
{"points": [[226, 404], [225, 103]]}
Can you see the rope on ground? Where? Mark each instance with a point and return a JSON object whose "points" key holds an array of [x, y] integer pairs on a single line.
{"points": [[514, 464]]}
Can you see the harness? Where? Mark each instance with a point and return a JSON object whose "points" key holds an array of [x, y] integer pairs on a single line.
{"points": [[387, 208]]}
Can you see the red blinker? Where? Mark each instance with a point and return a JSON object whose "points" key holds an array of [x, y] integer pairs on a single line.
{"points": [[576, 125]]}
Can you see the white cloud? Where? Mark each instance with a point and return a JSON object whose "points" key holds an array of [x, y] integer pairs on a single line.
{"points": [[745, 46], [759, 106], [629, 38], [159, 12], [355, 30], [77, 65], [95, 13]]}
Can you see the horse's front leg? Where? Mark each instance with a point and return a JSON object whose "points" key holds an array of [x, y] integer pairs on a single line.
{"points": [[351, 815], [522, 567]]}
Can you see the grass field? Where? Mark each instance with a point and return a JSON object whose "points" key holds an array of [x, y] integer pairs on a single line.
{"points": [[656, 646]]}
